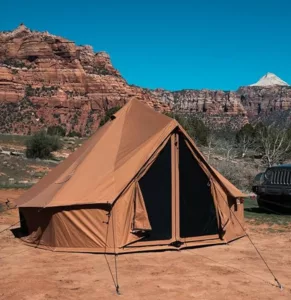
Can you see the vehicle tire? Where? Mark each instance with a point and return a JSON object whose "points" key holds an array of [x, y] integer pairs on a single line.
{"points": [[260, 203]]}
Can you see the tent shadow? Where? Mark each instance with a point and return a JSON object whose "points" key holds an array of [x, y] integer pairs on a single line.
{"points": [[268, 212], [258, 210]]}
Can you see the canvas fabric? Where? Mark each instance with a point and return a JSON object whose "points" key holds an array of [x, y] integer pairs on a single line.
{"points": [[92, 202]]}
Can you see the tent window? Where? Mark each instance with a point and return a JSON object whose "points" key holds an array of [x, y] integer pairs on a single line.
{"points": [[156, 191], [197, 210], [140, 220]]}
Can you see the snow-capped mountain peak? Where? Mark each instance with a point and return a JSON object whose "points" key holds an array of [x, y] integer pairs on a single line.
{"points": [[270, 79]]}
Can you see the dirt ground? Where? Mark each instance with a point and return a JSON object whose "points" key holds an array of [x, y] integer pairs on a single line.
{"points": [[232, 271]]}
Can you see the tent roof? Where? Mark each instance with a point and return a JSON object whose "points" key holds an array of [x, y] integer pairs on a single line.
{"points": [[107, 162], [100, 169]]}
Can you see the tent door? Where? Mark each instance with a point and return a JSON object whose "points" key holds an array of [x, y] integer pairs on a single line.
{"points": [[177, 196], [155, 186], [196, 211]]}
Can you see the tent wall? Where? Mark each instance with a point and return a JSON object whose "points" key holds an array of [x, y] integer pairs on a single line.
{"points": [[71, 228], [231, 214], [229, 211]]}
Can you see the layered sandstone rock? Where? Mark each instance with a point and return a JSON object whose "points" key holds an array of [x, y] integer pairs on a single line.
{"points": [[267, 98], [211, 102], [259, 100], [48, 80], [214, 107]]}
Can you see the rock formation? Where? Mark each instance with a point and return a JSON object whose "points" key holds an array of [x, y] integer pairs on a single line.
{"points": [[267, 97], [218, 107], [48, 80], [265, 100]]}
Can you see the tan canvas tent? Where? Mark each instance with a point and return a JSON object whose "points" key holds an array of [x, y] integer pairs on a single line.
{"points": [[139, 183]]}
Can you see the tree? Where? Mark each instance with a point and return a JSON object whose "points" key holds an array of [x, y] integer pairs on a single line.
{"points": [[194, 127], [226, 141], [245, 139], [198, 130], [40, 145], [210, 143], [274, 144], [108, 115]]}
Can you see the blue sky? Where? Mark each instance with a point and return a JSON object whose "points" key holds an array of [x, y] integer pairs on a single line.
{"points": [[216, 44]]}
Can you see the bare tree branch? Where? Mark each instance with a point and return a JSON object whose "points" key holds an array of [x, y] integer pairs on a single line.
{"points": [[274, 144]]}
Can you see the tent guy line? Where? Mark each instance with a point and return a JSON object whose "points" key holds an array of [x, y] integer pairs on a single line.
{"points": [[257, 250], [115, 280], [239, 270]]}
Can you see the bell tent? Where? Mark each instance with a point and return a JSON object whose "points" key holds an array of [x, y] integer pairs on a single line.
{"points": [[139, 183]]}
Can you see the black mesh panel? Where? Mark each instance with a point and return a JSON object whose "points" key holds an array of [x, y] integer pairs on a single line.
{"points": [[197, 211], [156, 190]]}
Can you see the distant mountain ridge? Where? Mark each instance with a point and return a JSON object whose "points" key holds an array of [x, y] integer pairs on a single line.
{"points": [[270, 94]]}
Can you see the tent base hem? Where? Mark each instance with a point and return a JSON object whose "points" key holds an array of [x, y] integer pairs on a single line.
{"points": [[134, 249]]}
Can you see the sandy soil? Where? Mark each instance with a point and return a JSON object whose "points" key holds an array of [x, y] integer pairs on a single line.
{"points": [[219, 272]]}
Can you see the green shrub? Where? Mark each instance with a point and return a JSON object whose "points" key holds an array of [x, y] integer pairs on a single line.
{"points": [[56, 115], [56, 130], [194, 127], [16, 185], [246, 132], [108, 115], [198, 130], [14, 63], [40, 145], [73, 133], [29, 91]]}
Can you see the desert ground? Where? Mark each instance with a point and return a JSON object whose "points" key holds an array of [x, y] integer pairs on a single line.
{"points": [[232, 271]]}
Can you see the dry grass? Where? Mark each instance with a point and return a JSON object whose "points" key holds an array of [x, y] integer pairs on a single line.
{"points": [[240, 172]]}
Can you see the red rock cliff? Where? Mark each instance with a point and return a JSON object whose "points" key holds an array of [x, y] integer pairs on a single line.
{"points": [[48, 80]]}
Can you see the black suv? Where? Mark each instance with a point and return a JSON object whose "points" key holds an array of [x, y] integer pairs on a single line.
{"points": [[273, 188]]}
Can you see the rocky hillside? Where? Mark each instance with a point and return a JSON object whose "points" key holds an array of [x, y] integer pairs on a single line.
{"points": [[260, 100], [48, 80]]}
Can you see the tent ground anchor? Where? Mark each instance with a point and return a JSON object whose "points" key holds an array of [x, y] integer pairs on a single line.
{"points": [[177, 244], [279, 284], [117, 290]]}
